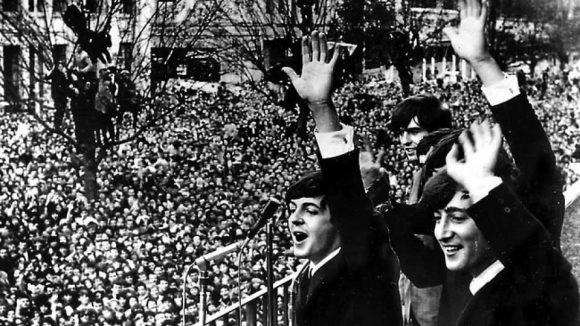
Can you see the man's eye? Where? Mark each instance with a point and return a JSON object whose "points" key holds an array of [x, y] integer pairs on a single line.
{"points": [[465, 196], [458, 217], [312, 211], [436, 217]]}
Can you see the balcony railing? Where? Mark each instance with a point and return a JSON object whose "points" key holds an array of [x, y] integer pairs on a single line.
{"points": [[253, 306]]}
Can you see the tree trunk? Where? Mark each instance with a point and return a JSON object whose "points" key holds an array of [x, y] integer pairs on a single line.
{"points": [[533, 64], [90, 175], [406, 79]]}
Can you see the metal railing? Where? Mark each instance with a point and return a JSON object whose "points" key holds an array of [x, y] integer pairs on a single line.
{"points": [[253, 307]]}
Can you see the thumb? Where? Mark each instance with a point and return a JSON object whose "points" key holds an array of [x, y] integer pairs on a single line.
{"points": [[290, 73], [451, 32], [451, 158]]}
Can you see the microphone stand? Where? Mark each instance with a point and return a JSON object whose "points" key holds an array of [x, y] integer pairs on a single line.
{"points": [[270, 276], [184, 290], [203, 277]]}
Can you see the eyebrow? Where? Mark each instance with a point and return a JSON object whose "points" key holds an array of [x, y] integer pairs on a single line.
{"points": [[306, 205], [453, 209]]}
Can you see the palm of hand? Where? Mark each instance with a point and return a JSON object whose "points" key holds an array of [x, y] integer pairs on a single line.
{"points": [[470, 41], [315, 83]]}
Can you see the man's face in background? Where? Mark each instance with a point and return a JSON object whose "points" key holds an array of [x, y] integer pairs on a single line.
{"points": [[410, 138]]}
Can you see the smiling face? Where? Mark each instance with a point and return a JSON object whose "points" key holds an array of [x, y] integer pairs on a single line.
{"points": [[313, 235], [410, 138], [462, 242]]}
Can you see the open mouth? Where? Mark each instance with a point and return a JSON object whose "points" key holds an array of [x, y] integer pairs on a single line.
{"points": [[299, 236], [450, 250]]}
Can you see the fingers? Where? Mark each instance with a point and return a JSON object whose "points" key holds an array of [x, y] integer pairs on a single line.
{"points": [[315, 42], [462, 9], [466, 144], [473, 8], [496, 136], [323, 47], [452, 157], [291, 74], [484, 10], [306, 51], [314, 48], [335, 55]]}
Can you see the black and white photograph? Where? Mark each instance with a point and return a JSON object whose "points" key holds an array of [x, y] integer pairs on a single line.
{"points": [[289, 162]]}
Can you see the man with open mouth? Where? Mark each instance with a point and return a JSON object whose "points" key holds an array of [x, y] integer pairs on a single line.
{"points": [[350, 276]]}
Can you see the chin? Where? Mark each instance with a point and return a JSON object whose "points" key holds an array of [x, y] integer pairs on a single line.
{"points": [[299, 253], [412, 158], [454, 266]]}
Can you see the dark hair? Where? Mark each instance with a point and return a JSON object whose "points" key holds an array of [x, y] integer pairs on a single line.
{"points": [[311, 185], [440, 188], [426, 107]]}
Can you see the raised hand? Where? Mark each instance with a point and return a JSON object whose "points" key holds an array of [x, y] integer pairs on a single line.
{"points": [[481, 150], [468, 39], [315, 83]]}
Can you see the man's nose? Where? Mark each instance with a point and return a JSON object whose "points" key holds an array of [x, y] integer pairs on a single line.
{"points": [[442, 230], [405, 139], [295, 218]]}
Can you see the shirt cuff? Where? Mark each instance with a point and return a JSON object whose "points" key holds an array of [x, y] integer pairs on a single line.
{"points": [[336, 143], [502, 91]]}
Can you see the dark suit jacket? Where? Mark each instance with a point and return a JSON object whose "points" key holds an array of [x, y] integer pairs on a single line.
{"points": [[537, 286], [542, 183], [541, 192], [359, 285]]}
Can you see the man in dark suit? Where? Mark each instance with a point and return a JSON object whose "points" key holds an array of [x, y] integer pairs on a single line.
{"points": [[351, 274], [59, 90], [413, 119], [519, 276], [539, 186]]}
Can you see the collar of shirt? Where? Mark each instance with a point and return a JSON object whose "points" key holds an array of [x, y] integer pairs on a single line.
{"points": [[315, 267], [485, 277]]}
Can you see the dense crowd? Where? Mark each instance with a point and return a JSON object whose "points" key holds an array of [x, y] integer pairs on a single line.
{"points": [[187, 188]]}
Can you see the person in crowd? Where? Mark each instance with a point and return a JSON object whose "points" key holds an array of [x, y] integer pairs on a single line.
{"points": [[519, 276], [168, 196], [413, 119], [59, 90], [540, 188], [351, 274], [127, 98], [105, 107]]}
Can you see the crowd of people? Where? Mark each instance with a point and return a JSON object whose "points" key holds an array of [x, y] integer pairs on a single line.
{"points": [[187, 188]]}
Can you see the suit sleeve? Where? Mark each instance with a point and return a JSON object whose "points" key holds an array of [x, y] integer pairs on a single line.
{"points": [[423, 265], [351, 210], [511, 230], [535, 160]]}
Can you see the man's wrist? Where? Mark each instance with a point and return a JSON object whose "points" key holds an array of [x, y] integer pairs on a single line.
{"points": [[479, 187], [487, 69], [325, 116]]}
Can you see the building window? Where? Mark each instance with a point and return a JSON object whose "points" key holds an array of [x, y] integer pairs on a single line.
{"points": [[424, 3], [449, 4], [59, 53], [125, 56], [32, 72], [9, 5], [59, 5], [91, 5], [11, 73], [127, 6]]}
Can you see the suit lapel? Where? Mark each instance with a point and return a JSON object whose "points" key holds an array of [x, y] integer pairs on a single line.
{"points": [[323, 276]]}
